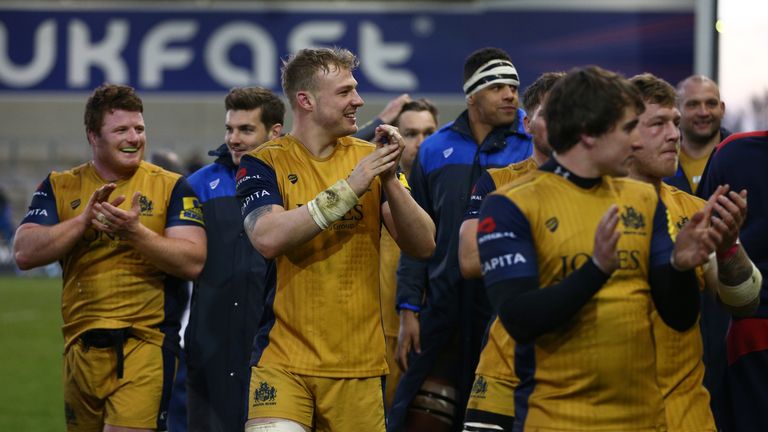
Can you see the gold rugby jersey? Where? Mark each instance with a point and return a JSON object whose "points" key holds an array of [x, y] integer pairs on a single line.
{"points": [[508, 174], [597, 372], [679, 354], [324, 316], [692, 168], [107, 283]]}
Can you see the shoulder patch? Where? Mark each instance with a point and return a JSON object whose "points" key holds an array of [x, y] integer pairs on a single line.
{"points": [[192, 210]]}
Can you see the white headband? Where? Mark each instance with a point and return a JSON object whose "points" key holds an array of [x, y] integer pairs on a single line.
{"points": [[495, 71]]}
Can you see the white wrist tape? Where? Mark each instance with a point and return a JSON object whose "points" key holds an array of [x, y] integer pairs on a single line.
{"points": [[743, 293], [332, 204], [277, 425]]}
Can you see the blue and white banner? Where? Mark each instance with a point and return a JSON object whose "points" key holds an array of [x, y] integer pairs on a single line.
{"points": [[420, 51]]}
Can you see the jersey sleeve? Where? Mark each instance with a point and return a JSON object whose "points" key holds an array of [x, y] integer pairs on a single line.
{"points": [[184, 207], [42, 210], [505, 242], [483, 187], [256, 184], [661, 239]]}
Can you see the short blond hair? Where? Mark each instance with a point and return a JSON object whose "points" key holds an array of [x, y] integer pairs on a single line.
{"points": [[299, 72]]}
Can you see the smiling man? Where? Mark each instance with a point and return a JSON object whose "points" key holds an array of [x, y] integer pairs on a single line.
{"points": [[314, 201], [121, 258], [698, 99]]}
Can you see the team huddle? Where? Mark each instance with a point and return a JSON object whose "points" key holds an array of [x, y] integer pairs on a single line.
{"points": [[547, 260]]}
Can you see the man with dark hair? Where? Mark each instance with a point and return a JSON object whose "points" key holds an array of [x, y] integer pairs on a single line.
{"points": [[314, 201], [441, 327], [489, 181], [567, 255], [122, 268], [698, 99], [679, 355], [228, 298], [416, 121]]}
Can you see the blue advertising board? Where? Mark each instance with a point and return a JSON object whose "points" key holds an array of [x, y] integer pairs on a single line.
{"points": [[419, 51]]}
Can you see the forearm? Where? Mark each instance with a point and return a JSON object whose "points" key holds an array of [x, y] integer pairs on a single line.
{"points": [[528, 311], [469, 256], [735, 269], [36, 245], [274, 231], [413, 229], [675, 295], [180, 256]]}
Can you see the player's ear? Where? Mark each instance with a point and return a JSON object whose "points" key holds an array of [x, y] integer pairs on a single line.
{"points": [[305, 100], [274, 131], [91, 135], [588, 140], [527, 124]]}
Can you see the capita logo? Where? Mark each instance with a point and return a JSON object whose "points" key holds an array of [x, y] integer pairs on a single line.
{"points": [[293, 178], [265, 394], [36, 212], [75, 204], [502, 261], [253, 197]]}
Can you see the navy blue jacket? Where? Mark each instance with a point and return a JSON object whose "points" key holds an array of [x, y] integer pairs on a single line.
{"points": [[227, 303]]}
